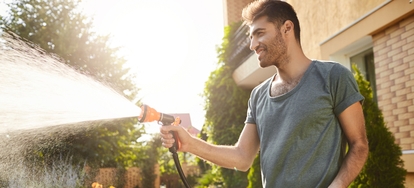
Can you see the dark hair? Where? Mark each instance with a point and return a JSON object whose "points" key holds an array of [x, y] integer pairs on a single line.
{"points": [[277, 12]]}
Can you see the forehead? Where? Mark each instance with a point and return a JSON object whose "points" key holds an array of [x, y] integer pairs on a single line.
{"points": [[260, 23]]}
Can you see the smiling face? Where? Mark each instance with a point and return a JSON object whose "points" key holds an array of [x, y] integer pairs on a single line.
{"points": [[268, 43]]}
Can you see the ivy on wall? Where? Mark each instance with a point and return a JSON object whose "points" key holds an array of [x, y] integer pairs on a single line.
{"points": [[226, 106]]}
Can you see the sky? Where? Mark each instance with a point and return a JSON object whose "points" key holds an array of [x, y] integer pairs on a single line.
{"points": [[169, 44]]}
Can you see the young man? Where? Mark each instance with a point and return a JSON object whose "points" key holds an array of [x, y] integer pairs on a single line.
{"points": [[298, 119]]}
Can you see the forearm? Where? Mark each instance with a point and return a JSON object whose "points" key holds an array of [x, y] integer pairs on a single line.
{"points": [[239, 156], [353, 125], [221, 155], [353, 163]]}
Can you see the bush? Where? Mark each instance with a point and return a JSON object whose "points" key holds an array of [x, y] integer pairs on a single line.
{"points": [[255, 174], [384, 167]]}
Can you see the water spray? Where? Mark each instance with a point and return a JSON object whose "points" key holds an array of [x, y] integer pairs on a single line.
{"points": [[149, 114]]}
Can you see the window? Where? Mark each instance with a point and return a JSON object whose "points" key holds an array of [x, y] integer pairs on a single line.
{"points": [[365, 63]]}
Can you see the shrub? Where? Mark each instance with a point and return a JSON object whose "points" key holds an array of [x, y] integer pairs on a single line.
{"points": [[384, 167]]}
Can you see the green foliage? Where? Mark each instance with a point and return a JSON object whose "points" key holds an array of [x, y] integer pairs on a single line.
{"points": [[166, 161], [202, 164], [151, 157], [107, 145], [255, 174], [226, 106], [384, 167], [167, 166], [209, 178]]}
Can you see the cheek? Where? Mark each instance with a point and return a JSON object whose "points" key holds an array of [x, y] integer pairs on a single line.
{"points": [[280, 46]]}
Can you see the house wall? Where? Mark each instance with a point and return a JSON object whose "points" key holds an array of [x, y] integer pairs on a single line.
{"points": [[394, 65], [320, 19]]}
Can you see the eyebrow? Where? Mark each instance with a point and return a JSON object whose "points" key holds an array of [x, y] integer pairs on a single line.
{"points": [[255, 32]]}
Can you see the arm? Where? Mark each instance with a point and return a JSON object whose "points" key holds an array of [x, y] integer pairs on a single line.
{"points": [[239, 156], [353, 125]]}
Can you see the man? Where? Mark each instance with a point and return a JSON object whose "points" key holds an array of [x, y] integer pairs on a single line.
{"points": [[298, 118]]}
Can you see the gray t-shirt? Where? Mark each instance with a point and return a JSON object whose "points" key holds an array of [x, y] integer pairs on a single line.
{"points": [[301, 141]]}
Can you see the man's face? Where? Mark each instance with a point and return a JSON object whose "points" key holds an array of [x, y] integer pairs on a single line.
{"points": [[267, 42]]}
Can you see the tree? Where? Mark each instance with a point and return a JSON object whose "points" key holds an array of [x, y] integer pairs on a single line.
{"points": [[60, 28], [384, 167], [226, 105]]}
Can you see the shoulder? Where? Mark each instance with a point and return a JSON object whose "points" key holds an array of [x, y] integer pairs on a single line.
{"points": [[329, 65], [261, 89], [331, 69]]}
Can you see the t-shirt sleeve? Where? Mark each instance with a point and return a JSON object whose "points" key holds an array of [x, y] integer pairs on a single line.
{"points": [[250, 118], [344, 89]]}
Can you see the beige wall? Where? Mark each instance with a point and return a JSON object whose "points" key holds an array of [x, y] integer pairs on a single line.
{"points": [[409, 182], [320, 19]]}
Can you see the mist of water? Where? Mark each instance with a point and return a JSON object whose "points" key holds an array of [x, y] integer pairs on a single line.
{"points": [[37, 90], [43, 101]]}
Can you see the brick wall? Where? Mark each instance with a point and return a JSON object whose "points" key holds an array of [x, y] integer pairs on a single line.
{"points": [[394, 66]]}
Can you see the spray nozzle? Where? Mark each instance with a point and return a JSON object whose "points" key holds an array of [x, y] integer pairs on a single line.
{"points": [[149, 114]]}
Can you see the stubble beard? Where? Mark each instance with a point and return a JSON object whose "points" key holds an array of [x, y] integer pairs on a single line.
{"points": [[276, 53]]}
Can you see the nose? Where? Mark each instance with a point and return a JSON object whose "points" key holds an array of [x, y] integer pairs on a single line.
{"points": [[253, 44]]}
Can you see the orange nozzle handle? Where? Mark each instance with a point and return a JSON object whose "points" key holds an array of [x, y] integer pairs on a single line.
{"points": [[177, 142]]}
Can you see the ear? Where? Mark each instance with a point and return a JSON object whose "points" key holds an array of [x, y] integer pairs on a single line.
{"points": [[287, 27]]}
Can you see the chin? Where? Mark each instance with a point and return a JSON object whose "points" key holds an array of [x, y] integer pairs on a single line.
{"points": [[263, 64]]}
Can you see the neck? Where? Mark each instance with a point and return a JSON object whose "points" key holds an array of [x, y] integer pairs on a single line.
{"points": [[292, 70]]}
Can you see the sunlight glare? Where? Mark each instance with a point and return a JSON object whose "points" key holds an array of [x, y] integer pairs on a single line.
{"points": [[169, 45]]}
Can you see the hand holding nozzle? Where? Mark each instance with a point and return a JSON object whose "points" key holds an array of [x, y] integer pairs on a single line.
{"points": [[149, 114]]}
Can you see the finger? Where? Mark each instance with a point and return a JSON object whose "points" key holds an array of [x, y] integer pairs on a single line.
{"points": [[166, 145], [166, 135], [163, 131], [169, 128], [167, 142]]}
